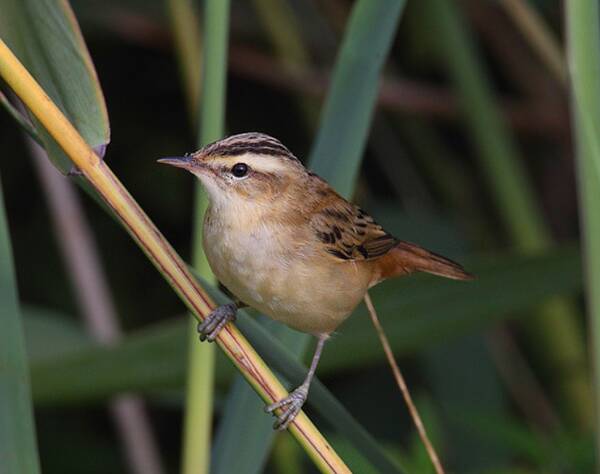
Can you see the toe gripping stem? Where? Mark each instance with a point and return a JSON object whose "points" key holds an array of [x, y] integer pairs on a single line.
{"points": [[210, 328], [290, 407]]}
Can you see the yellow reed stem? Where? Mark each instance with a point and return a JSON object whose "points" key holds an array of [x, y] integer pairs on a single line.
{"points": [[160, 252]]}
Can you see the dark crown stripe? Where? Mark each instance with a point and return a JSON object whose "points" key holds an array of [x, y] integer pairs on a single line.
{"points": [[258, 143], [263, 150]]}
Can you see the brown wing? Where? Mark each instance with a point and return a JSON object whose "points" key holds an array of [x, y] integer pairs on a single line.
{"points": [[349, 233]]}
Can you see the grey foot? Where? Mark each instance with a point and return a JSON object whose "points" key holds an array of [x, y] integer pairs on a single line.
{"points": [[290, 407], [219, 317]]}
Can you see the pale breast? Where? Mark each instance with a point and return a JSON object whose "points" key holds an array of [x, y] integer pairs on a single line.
{"points": [[270, 269]]}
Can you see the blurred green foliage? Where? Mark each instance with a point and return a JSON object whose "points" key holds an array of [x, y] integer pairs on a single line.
{"points": [[486, 394]]}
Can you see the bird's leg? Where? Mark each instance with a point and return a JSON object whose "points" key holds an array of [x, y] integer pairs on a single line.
{"points": [[292, 404], [214, 322]]}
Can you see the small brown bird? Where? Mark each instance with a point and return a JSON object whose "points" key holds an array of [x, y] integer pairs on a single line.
{"points": [[284, 242]]}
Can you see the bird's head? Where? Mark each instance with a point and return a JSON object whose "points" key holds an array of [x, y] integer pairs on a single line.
{"points": [[249, 166]]}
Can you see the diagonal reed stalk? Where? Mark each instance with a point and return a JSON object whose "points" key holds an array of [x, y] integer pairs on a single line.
{"points": [[160, 252]]}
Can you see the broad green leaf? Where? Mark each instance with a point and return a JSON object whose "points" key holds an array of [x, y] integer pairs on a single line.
{"points": [[48, 334], [242, 413], [460, 373], [18, 450], [350, 102], [584, 65], [45, 36], [149, 359], [351, 456]]}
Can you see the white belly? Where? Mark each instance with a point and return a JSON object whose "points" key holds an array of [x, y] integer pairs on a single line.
{"points": [[263, 269]]}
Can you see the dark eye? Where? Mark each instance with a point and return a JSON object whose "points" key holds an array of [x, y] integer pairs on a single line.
{"points": [[239, 170]]}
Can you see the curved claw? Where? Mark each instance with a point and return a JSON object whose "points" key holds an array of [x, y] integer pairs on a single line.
{"points": [[290, 407], [209, 328]]}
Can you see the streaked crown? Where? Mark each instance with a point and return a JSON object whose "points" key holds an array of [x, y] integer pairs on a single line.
{"points": [[243, 143]]}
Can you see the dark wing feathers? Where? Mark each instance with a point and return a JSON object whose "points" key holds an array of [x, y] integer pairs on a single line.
{"points": [[349, 233], [380, 245]]}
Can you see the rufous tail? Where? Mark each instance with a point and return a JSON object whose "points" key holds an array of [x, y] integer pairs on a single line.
{"points": [[407, 258]]}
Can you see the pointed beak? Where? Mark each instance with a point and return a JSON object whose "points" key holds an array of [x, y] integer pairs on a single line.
{"points": [[185, 162]]}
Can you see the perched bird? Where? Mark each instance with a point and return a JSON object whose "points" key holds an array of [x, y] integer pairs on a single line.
{"points": [[284, 242]]}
